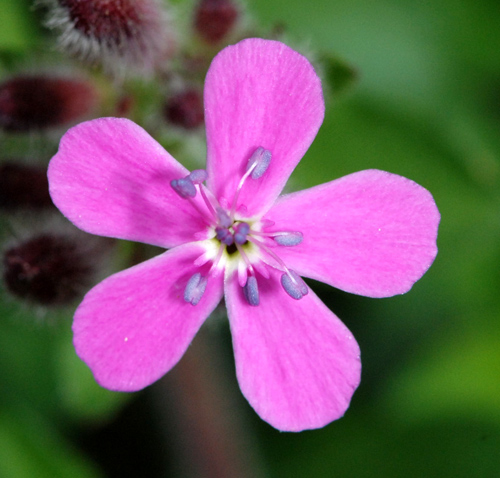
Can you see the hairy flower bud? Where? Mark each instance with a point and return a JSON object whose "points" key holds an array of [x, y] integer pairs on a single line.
{"points": [[50, 269], [214, 19], [38, 102], [23, 186], [185, 109], [119, 34]]}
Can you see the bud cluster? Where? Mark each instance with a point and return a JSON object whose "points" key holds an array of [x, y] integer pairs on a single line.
{"points": [[215, 19], [23, 186], [118, 34], [132, 61], [50, 268], [38, 102]]}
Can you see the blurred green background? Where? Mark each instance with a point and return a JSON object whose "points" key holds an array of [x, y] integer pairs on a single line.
{"points": [[426, 105]]}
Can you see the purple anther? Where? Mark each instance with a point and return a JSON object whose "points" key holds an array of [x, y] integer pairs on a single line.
{"points": [[251, 291], [223, 217], [184, 187], [224, 235], [288, 238], [195, 288], [240, 233], [198, 176], [293, 284], [259, 161]]}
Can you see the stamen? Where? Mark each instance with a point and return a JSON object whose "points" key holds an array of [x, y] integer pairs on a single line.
{"points": [[242, 273], [288, 239], [184, 187], [257, 166], [223, 217], [251, 291], [202, 259], [270, 253], [293, 284], [240, 233], [245, 258], [198, 176], [209, 204], [195, 288], [282, 238], [213, 270], [259, 162]]}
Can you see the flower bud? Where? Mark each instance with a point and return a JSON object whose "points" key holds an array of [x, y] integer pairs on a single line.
{"points": [[38, 102], [116, 33], [185, 109], [50, 269], [23, 186], [214, 19]]}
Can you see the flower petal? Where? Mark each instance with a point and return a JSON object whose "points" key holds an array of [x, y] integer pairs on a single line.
{"points": [[134, 326], [372, 233], [111, 178], [297, 363], [259, 93]]}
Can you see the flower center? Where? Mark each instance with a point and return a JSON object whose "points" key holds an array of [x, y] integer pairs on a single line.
{"points": [[242, 246]]}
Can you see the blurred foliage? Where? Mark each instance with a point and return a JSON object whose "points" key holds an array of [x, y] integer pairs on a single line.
{"points": [[30, 446], [19, 29], [426, 105]]}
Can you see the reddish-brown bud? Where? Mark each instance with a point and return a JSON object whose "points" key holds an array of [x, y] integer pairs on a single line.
{"points": [[49, 269], [38, 102], [214, 19], [106, 20], [23, 186], [116, 33], [185, 109]]}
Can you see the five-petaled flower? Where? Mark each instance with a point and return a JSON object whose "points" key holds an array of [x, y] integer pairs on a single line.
{"points": [[371, 233]]}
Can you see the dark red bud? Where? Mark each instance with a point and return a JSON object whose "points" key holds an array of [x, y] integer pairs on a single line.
{"points": [[185, 109], [108, 21], [214, 19], [38, 102], [136, 32], [23, 186], [48, 269]]}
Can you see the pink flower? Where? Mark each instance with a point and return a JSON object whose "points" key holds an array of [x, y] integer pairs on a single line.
{"points": [[371, 233]]}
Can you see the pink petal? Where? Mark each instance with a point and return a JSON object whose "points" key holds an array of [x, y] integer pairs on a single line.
{"points": [[134, 326], [297, 363], [111, 178], [259, 93], [371, 233]]}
